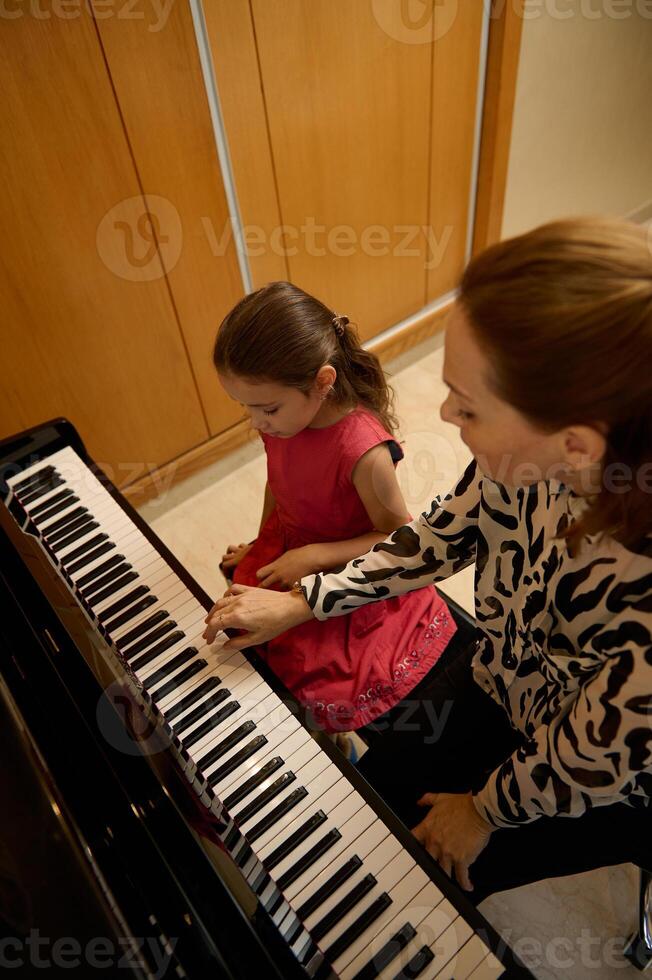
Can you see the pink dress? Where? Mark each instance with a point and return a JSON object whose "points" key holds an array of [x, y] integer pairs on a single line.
{"points": [[350, 669]]}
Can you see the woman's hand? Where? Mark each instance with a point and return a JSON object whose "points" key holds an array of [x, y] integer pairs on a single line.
{"points": [[234, 554], [289, 568], [262, 613], [453, 832]]}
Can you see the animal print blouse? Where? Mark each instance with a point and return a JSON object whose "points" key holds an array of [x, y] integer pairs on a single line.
{"points": [[564, 644]]}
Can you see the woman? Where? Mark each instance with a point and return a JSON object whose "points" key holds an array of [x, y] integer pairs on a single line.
{"points": [[549, 362]]}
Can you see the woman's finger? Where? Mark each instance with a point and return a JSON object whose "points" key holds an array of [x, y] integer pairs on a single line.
{"points": [[428, 799], [446, 864], [219, 606], [270, 580], [462, 875], [244, 640]]}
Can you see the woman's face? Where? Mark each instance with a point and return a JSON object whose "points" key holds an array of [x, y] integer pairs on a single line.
{"points": [[506, 446]]}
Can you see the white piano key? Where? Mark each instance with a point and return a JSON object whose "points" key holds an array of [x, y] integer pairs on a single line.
{"points": [[414, 911], [373, 864], [282, 741], [361, 831], [443, 931], [316, 777], [286, 826], [253, 706], [386, 880], [489, 966]]}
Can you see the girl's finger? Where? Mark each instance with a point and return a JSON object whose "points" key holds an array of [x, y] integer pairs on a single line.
{"points": [[265, 570], [270, 580]]}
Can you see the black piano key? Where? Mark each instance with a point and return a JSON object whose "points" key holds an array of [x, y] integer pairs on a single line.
{"points": [[177, 681], [144, 627], [356, 929], [237, 759], [56, 540], [44, 473], [111, 611], [189, 699], [329, 887], [244, 856], [52, 529], [253, 782], [227, 743], [417, 964], [290, 801], [120, 583], [40, 489], [214, 701], [103, 580], [295, 931], [75, 536], [135, 610], [211, 722], [309, 858], [150, 655], [172, 665], [140, 645], [90, 550], [49, 508], [99, 570], [389, 952], [337, 913], [289, 844], [264, 798]]}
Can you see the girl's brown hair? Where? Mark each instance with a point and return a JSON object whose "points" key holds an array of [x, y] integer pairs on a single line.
{"points": [[564, 315], [280, 333]]}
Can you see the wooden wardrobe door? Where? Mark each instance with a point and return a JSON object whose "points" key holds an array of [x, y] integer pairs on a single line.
{"points": [[89, 327], [156, 71], [348, 108]]}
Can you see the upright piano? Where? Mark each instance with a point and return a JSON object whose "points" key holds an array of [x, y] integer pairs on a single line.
{"points": [[167, 809]]}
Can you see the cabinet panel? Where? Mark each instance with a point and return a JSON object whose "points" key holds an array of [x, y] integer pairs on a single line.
{"points": [[235, 61], [348, 104], [89, 329], [156, 71], [456, 58]]}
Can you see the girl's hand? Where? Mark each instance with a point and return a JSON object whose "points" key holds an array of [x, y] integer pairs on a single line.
{"points": [[262, 613], [234, 554], [289, 568], [453, 832]]}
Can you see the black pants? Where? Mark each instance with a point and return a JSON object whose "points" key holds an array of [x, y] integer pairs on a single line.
{"points": [[447, 737]]}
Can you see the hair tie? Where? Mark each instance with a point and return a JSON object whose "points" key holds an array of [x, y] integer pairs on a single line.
{"points": [[340, 321]]}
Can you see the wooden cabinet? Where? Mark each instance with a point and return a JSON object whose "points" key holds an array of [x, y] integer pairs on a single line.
{"points": [[350, 129], [356, 125]]}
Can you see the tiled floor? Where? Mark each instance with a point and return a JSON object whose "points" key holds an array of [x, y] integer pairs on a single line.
{"points": [[573, 927]]}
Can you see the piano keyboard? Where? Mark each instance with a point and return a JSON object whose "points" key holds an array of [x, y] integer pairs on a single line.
{"points": [[346, 896]]}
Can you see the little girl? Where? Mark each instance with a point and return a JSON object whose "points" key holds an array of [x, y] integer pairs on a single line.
{"points": [[323, 408]]}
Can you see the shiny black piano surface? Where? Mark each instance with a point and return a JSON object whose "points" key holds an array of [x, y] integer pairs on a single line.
{"points": [[111, 857]]}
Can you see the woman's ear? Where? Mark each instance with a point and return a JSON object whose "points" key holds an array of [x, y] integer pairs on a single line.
{"points": [[325, 380]]}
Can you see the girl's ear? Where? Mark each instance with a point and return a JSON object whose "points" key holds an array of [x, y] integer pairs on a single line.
{"points": [[325, 379]]}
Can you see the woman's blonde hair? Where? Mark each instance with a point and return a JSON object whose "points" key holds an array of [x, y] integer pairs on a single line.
{"points": [[564, 315]]}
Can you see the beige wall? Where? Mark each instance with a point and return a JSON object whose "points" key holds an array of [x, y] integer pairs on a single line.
{"points": [[582, 135]]}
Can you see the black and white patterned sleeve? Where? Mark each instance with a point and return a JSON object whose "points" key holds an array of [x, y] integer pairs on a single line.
{"points": [[434, 546], [597, 750]]}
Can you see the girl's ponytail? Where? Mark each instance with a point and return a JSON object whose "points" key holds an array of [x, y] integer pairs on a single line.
{"points": [[360, 378]]}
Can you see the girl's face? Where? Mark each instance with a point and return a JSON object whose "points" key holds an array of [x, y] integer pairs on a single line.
{"points": [[276, 409], [508, 449]]}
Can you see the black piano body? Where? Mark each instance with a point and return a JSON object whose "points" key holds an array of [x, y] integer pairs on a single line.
{"points": [[116, 854]]}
